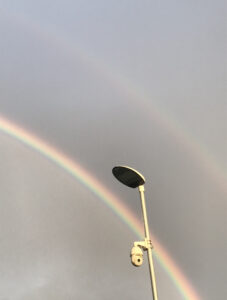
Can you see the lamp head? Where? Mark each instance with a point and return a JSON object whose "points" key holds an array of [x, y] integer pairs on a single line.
{"points": [[128, 176]]}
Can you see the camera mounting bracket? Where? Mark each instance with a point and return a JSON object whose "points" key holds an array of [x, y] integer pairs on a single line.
{"points": [[145, 245]]}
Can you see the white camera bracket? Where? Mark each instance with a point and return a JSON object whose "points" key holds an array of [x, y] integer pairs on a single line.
{"points": [[145, 245]]}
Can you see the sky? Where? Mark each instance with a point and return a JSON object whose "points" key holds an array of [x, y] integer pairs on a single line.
{"points": [[138, 83]]}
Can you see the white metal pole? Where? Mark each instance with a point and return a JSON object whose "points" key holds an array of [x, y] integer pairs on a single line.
{"points": [[147, 238]]}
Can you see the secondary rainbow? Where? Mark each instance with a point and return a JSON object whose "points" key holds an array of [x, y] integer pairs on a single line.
{"points": [[117, 206], [132, 92]]}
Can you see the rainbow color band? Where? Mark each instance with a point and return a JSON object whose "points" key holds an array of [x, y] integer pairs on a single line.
{"points": [[117, 206]]}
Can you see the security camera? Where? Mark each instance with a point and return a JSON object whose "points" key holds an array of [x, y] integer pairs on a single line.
{"points": [[136, 256]]}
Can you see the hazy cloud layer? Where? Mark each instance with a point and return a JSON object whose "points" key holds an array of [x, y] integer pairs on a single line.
{"points": [[109, 83]]}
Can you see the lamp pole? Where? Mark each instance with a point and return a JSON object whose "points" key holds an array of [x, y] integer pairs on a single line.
{"points": [[134, 179], [149, 244]]}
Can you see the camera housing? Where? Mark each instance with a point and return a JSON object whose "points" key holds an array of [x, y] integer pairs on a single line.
{"points": [[136, 256]]}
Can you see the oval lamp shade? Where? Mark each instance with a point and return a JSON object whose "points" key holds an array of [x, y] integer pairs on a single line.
{"points": [[128, 176]]}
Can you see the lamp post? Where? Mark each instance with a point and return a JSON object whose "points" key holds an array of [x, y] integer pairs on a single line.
{"points": [[134, 179]]}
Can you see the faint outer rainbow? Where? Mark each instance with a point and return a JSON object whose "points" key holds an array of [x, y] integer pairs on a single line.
{"points": [[119, 208], [131, 91]]}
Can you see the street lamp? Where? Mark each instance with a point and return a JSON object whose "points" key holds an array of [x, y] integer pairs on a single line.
{"points": [[134, 179]]}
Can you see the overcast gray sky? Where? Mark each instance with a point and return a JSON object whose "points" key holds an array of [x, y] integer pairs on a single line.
{"points": [[141, 83]]}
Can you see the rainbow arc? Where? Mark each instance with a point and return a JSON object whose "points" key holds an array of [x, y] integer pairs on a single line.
{"points": [[117, 206]]}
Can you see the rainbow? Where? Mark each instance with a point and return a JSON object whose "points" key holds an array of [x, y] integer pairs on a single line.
{"points": [[158, 114], [117, 206]]}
